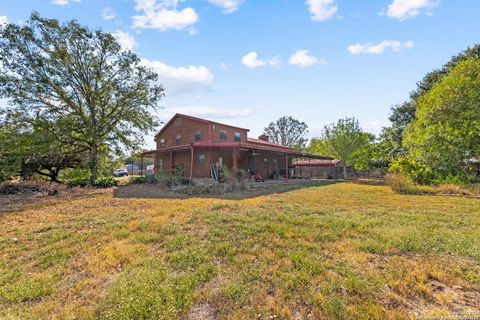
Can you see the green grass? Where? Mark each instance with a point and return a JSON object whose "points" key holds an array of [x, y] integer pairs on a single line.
{"points": [[337, 251]]}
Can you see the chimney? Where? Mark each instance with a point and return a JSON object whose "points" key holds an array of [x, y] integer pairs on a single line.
{"points": [[263, 137]]}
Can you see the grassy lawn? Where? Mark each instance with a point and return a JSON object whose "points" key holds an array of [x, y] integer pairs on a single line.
{"points": [[337, 251]]}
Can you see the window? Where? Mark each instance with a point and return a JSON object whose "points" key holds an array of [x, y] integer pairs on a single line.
{"points": [[160, 165], [201, 159], [198, 135], [222, 134], [178, 121], [237, 136], [162, 142], [178, 139]]}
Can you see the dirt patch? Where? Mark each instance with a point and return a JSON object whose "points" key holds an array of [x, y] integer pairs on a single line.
{"points": [[201, 311]]}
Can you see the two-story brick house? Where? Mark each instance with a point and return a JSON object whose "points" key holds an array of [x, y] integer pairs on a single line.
{"points": [[193, 145]]}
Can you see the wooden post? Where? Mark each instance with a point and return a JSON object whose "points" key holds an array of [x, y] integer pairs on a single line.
{"points": [[234, 156], [191, 163], [171, 160], [141, 166], [286, 168]]}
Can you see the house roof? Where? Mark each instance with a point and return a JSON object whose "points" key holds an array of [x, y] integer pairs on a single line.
{"points": [[266, 143], [197, 120]]}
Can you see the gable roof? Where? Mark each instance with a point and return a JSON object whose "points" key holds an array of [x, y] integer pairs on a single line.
{"points": [[194, 119]]}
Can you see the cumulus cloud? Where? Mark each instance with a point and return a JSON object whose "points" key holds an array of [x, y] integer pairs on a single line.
{"points": [[372, 48], [208, 111], [108, 13], [177, 80], [321, 9], [64, 2], [125, 40], [163, 15], [3, 20], [251, 60], [228, 6], [302, 58], [406, 9]]}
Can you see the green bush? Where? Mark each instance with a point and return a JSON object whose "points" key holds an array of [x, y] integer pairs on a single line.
{"points": [[415, 170], [77, 174], [79, 182], [402, 183], [104, 182], [140, 180]]}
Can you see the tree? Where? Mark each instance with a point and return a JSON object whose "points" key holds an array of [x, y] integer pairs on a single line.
{"points": [[405, 113], [346, 141], [446, 133], [77, 85], [287, 131]]}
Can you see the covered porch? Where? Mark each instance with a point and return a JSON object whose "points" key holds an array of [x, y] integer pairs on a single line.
{"points": [[195, 161]]}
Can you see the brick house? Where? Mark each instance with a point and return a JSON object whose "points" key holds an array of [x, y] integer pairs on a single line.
{"points": [[193, 145]]}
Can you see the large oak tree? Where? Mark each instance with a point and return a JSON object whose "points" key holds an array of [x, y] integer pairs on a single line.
{"points": [[78, 85]]}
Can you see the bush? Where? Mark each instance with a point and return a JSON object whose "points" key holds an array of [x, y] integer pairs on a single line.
{"points": [[172, 180], [140, 180], [104, 182], [402, 183], [415, 171], [77, 174]]}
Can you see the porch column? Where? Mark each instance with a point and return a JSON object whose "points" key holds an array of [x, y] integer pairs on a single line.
{"points": [[141, 166], [234, 156], [286, 168], [191, 163], [171, 160]]}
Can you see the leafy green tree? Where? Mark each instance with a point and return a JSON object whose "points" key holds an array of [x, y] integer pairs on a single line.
{"points": [[446, 133], [77, 85], [404, 114], [287, 131], [346, 141]]}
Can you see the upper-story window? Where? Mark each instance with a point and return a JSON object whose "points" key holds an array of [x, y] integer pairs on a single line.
{"points": [[178, 121], [162, 142], [222, 135], [178, 139], [237, 136], [198, 135]]}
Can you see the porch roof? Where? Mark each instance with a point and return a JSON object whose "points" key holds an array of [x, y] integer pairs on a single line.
{"points": [[227, 145]]}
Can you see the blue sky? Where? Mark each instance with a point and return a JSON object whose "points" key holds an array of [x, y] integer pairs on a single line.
{"points": [[249, 62]]}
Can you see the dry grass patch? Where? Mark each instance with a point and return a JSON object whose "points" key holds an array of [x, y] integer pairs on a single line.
{"points": [[337, 251]]}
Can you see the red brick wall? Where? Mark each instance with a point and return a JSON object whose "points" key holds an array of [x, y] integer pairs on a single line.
{"points": [[215, 133], [187, 130]]}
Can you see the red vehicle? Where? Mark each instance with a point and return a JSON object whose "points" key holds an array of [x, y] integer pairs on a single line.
{"points": [[256, 177]]}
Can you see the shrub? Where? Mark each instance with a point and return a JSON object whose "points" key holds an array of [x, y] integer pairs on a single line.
{"points": [[77, 174], [78, 182], [104, 182], [402, 183], [415, 171], [140, 180]]}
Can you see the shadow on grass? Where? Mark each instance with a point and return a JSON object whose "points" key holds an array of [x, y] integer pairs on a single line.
{"points": [[369, 181], [155, 191]]}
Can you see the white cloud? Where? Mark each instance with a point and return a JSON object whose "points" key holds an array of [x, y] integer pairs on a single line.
{"points": [[3, 20], [406, 9], [125, 40], [63, 2], [182, 79], [108, 13], [163, 15], [380, 47], [321, 9], [303, 59], [251, 60], [208, 111], [374, 127], [228, 6]]}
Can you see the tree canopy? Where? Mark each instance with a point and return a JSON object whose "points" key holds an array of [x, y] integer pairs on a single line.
{"points": [[76, 86], [344, 140], [287, 131], [445, 135]]}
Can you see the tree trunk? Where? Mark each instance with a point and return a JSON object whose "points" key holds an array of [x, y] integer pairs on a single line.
{"points": [[93, 164], [344, 170]]}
